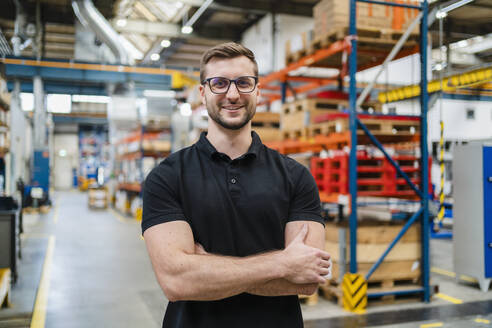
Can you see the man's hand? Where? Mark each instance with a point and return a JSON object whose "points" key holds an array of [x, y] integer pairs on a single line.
{"points": [[304, 264]]}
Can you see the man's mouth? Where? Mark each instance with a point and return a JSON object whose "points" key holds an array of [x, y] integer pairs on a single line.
{"points": [[232, 108]]}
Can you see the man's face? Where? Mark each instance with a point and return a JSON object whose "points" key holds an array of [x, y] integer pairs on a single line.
{"points": [[231, 110]]}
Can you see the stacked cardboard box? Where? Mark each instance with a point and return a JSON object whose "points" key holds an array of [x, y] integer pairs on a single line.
{"points": [[330, 15]]}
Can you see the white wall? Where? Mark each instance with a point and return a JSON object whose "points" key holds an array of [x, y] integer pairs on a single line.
{"points": [[456, 125], [20, 146], [269, 48], [63, 165]]}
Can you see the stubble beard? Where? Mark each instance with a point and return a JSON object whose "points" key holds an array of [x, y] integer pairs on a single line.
{"points": [[214, 114]]}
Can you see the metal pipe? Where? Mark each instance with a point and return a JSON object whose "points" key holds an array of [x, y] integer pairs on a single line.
{"points": [[90, 17], [388, 157], [393, 4], [390, 57], [424, 98], [198, 13], [393, 243], [353, 138]]}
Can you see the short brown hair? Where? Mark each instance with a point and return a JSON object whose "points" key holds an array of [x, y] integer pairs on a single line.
{"points": [[227, 50]]}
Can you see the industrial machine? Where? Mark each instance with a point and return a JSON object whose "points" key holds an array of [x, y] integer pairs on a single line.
{"points": [[472, 227]]}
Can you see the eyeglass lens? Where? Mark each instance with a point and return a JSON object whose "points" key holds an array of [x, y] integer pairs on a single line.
{"points": [[243, 84]]}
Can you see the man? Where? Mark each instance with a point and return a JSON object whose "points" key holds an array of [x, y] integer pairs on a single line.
{"points": [[233, 228]]}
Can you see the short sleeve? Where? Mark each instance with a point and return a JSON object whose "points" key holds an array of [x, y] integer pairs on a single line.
{"points": [[305, 204], [160, 197]]}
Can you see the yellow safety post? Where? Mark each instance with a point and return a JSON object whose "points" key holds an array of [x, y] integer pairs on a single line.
{"points": [[440, 214], [138, 214], [354, 288]]}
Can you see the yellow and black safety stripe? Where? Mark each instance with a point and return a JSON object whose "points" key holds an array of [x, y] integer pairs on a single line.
{"points": [[354, 288], [451, 83], [440, 214]]}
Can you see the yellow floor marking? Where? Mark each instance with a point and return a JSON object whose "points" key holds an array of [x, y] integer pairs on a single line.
{"points": [[443, 272], [118, 215], [452, 274], [430, 325], [39, 315], [449, 298], [469, 279], [479, 320]]}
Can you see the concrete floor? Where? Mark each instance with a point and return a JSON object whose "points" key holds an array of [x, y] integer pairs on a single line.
{"points": [[101, 276]]}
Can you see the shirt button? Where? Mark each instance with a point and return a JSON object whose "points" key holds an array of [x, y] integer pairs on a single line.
{"points": [[233, 181]]}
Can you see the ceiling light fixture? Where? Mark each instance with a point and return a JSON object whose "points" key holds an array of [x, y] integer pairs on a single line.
{"points": [[165, 43], [155, 57], [186, 29], [121, 22]]}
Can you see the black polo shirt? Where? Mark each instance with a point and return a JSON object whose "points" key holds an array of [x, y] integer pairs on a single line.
{"points": [[234, 207]]}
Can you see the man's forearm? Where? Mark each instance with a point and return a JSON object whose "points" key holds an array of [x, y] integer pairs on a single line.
{"points": [[213, 277], [282, 287]]}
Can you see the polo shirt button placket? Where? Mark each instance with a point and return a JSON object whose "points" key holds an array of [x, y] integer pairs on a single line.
{"points": [[233, 181]]}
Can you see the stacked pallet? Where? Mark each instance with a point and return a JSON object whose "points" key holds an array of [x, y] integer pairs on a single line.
{"points": [[267, 125], [376, 176], [298, 116], [98, 198], [399, 271]]}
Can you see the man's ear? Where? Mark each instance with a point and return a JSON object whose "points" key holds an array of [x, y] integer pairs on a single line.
{"points": [[201, 88]]}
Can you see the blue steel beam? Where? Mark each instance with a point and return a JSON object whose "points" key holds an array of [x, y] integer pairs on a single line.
{"points": [[388, 157], [396, 292], [62, 88], [424, 99], [79, 75], [393, 243], [353, 138]]}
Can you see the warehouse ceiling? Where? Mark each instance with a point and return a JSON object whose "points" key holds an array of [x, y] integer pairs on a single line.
{"points": [[150, 24]]}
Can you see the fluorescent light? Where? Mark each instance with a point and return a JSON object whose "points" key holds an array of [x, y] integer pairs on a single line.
{"points": [[441, 14], [27, 101], [57, 103], [186, 29], [90, 99], [121, 22], [159, 93], [155, 56], [179, 4], [185, 109], [462, 43], [62, 153], [165, 43]]}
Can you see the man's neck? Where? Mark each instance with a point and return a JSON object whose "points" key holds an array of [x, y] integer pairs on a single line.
{"points": [[233, 143]]}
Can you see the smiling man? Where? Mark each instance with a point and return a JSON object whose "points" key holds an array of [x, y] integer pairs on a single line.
{"points": [[233, 228]]}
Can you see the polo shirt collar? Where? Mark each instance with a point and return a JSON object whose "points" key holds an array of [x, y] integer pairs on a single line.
{"points": [[204, 145]]}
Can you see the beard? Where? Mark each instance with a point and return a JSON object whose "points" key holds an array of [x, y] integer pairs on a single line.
{"points": [[214, 112]]}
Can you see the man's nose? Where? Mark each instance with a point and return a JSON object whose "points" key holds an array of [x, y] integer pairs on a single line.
{"points": [[233, 92]]}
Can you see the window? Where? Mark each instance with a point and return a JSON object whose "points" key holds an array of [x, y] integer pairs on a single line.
{"points": [[470, 114]]}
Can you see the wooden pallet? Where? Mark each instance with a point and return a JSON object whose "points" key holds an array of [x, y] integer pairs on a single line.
{"points": [[375, 126], [365, 37], [294, 134], [309, 299], [301, 113]]}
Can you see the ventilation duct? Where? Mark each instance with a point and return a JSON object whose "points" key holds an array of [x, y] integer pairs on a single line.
{"points": [[91, 18]]}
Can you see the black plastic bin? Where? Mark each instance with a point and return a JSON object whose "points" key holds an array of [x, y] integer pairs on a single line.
{"points": [[9, 234]]}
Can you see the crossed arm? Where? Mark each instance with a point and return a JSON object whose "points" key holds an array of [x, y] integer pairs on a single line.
{"points": [[186, 272]]}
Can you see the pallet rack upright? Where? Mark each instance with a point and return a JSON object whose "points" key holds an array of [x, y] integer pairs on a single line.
{"points": [[423, 212]]}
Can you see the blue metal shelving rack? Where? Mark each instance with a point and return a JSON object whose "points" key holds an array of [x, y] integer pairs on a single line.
{"points": [[423, 212]]}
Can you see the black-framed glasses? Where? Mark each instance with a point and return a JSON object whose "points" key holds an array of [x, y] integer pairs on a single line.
{"points": [[221, 85]]}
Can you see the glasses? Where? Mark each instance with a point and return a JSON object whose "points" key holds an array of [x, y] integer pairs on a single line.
{"points": [[221, 85]]}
